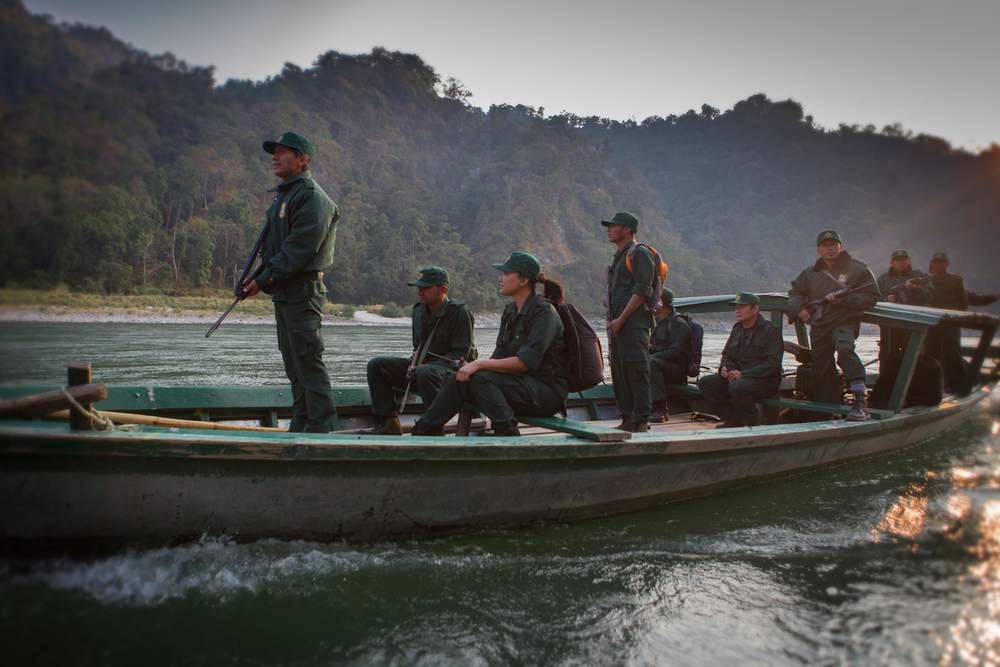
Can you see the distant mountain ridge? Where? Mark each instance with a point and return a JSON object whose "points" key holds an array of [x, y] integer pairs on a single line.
{"points": [[132, 172]]}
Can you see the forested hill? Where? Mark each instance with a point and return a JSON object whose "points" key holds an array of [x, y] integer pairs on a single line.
{"points": [[125, 171]]}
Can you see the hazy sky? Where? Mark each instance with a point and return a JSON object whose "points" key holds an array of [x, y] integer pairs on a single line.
{"points": [[930, 65]]}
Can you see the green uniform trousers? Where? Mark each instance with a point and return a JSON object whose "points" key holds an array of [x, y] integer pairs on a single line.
{"points": [[386, 374], [629, 356], [301, 344], [736, 401], [499, 396], [839, 339], [945, 344], [662, 373]]}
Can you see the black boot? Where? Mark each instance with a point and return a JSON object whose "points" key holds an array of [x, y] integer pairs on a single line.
{"points": [[386, 426], [660, 412], [639, 427], [626, 425], [423, 428], [859, 408], [506, 429]]}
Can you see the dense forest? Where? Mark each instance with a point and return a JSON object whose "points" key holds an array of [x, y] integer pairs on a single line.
{"points": [[129, 172]]}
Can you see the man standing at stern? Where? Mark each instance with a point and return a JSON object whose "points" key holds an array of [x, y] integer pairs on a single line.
{"points": [[298, 247], [831, 296]]}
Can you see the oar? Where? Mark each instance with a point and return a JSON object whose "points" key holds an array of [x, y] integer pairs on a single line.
{"points": [[151, 420]]}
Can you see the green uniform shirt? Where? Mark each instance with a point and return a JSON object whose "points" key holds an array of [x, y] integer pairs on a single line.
{"points": [[914, 296], [671, 340], [817, 281], [622, 284], [535, 336], [301, 226], [756, 352], [949, 292], [453, 337]]}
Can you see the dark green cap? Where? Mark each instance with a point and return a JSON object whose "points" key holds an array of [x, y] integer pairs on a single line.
{"points": [[667, 296], [292, 140], [940, 257], [745, 299], [828, 235], [897, 254], [521, 262], [623, 218], [430, 276]]}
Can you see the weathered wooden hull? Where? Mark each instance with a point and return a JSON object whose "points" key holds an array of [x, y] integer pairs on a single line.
{"points": [[89, 491]]}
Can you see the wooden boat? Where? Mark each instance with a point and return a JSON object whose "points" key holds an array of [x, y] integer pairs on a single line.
{"points": [[73, 489]]}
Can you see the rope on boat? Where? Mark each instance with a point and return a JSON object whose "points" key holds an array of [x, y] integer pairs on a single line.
{"points": [[100, 422]]}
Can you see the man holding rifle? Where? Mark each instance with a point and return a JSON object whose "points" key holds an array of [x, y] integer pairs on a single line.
{"points": [[830, 297], [297, 247], [901, 284], [442, 340]]}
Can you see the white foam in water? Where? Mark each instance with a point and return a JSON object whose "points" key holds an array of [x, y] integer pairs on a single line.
{"points": [[214, 566]]}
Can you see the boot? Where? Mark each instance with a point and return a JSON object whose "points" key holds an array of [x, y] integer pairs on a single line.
{"points": [[386, 426], [660, 412], [626, 425], [639, 427], [423, 428], [859, 408], [506, 429]]}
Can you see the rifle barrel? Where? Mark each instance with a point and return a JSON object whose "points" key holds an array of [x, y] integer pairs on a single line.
{"points": [[218, 322]]}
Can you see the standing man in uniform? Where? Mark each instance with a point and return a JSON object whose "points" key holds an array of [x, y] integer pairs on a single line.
{"points": [[901, 284], [944, 343], [629, 322], [298, 247], [442, 338], [750, 369], [836, 322], [670, 352]]}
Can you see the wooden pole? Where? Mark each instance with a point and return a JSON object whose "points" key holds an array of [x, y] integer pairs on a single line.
{"points": [[39, 405], [79, 372]]}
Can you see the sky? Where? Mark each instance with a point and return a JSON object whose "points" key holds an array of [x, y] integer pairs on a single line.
{"points": [[930, 65]]}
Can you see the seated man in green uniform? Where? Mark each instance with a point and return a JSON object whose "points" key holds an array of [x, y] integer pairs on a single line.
{"points": [[750, 368], [298, 247], [835, 321], [526, 373], [442, 337], [901, 284], [669, 354], [631, 281]]}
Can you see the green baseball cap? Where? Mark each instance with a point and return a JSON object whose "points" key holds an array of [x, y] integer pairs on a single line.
{"points": [[623, 218], [940, 257], [898, 254], [521, 262], [292, 140], [828, 235], [430, 276], [667, 296], [745, 299]]}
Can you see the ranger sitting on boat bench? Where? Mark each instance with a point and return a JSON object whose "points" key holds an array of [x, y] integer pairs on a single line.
{"points": [[669, 354], [526, 373], [750, 369], [442, 339]]}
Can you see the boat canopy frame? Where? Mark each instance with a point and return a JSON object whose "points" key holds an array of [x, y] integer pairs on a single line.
{"points": [[916, 320]]}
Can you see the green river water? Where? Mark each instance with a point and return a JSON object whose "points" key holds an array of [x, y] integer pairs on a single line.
{"points": [[893, 560]]}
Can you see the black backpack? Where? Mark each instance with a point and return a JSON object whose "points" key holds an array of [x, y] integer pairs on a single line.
{"points": [[584, 356], [696, 339]]}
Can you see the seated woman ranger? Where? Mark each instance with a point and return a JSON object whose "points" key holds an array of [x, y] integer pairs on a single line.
{"points": [[526, 373]]}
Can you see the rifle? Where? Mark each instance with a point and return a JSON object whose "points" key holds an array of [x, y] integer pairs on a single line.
{"points": [[423, 349], [815, 307], [249, 273], [907, 284]]}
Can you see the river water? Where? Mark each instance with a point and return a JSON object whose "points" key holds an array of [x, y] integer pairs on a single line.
{"points": [[894, 560]]}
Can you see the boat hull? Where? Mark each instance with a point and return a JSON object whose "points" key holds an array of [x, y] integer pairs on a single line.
{"points": [[66, 491]]}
